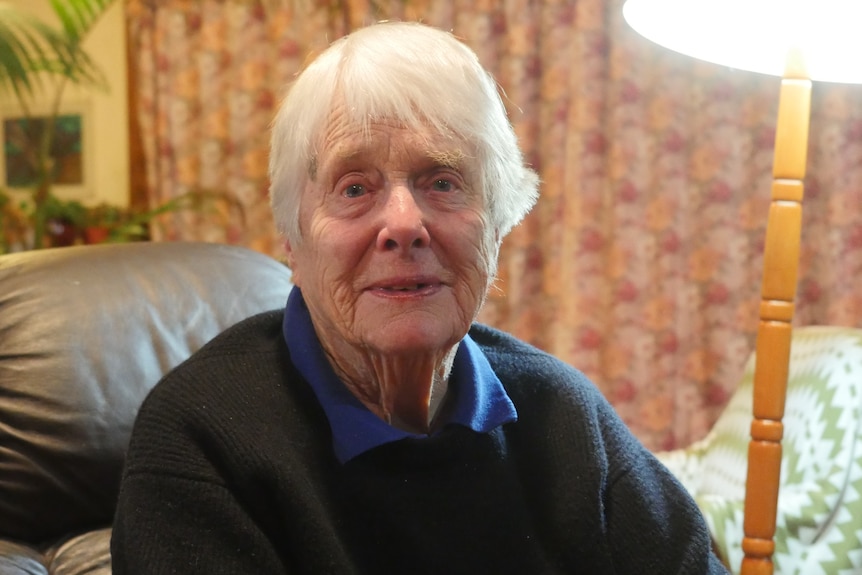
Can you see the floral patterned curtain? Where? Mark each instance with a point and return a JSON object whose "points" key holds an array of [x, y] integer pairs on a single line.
{"points": [[641, 263]]}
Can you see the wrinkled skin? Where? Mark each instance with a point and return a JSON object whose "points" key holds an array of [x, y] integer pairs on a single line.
{"points": [[392, 262]]}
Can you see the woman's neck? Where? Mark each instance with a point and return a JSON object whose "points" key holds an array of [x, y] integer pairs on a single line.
{"points": [[405, 390]]}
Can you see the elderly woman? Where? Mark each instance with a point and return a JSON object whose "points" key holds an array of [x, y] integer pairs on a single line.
{"points": [[371, 426]]}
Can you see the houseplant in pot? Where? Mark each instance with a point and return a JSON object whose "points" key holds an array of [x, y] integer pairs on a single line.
{"points": [[15, 229], [63, 219], [109, 223], [39, 60]]}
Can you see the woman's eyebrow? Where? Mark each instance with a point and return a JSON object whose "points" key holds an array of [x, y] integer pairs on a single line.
{"points": [[349, 152], [343, 153], [448, 158]]}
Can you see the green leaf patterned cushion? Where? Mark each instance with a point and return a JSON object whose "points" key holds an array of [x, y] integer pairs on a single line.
{"points": [[819, 523]]}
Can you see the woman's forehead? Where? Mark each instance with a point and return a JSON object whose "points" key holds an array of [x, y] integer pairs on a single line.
{"points": [[345, 140]]}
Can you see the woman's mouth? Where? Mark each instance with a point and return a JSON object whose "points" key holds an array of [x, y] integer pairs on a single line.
{"points": [[406, 288], [413, 287]]}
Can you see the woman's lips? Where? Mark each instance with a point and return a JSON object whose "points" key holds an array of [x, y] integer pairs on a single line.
{"points": [[413, 287], [422, 286]]}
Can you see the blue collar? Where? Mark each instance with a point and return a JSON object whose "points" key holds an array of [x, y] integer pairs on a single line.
{"points": [[481, 403]]}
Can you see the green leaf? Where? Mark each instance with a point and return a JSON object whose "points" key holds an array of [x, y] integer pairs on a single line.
{"points": [[31, 49]]}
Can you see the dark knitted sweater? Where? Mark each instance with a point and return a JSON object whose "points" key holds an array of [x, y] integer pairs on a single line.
{"points": [[231, 470]]}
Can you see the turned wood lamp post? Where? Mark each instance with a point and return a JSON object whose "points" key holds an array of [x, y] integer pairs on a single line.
{"points": [[800, 41]]}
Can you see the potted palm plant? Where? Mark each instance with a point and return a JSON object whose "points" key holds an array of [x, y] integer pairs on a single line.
{"points": [[109, 223], [14, 223], [39, 60]]}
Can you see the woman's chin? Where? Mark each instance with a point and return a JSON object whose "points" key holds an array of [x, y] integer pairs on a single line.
{"points": [[401, 337], [420, 330]]}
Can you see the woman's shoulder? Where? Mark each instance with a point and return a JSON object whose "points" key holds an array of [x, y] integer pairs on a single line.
{"points": [[516, 358], [251, 354], [236, 402], [531, 375], [259, 332]]}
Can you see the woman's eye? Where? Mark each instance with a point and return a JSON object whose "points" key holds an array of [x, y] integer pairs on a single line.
{"points": [[354, 191], [442, 185]]}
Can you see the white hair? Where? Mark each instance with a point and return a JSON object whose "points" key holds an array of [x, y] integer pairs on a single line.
{"points": [[413, 74]]}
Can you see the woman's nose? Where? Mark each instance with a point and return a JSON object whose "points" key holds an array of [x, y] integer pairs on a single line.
{"points": [[402, 221]]}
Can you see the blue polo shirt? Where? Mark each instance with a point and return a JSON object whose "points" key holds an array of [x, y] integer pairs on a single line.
{"points": [[480, 401]]}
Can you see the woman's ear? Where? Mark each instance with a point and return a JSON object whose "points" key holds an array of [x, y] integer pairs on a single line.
{"points": [[288, 250], [291, 262]]}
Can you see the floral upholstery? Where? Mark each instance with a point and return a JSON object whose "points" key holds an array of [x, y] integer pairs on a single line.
{"points": [[819, 523]]}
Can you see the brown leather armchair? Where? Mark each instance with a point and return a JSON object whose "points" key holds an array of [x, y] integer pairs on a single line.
{"points": [[85, 333]]}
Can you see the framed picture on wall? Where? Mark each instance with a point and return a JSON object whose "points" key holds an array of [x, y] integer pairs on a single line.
{"points": [[70, 152]]}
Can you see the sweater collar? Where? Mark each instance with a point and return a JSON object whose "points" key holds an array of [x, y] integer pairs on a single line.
{"points": [[481, 402]]}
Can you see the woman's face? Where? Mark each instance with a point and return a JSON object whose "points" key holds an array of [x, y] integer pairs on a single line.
{"points": [[394, 256]]}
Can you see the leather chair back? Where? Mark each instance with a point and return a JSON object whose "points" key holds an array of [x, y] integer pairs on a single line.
{"points": [[85, 333]]}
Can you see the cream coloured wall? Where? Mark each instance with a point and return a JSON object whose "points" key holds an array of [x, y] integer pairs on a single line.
{"points": [[106, 114]]}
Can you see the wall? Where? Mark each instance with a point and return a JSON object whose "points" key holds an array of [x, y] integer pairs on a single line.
{"points": [[105, 127]]}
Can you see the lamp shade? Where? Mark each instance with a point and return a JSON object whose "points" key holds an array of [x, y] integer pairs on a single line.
{"points": [[758, 35]]}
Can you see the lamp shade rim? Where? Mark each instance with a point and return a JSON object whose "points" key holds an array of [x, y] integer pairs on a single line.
{"points": [[758, 35]]}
